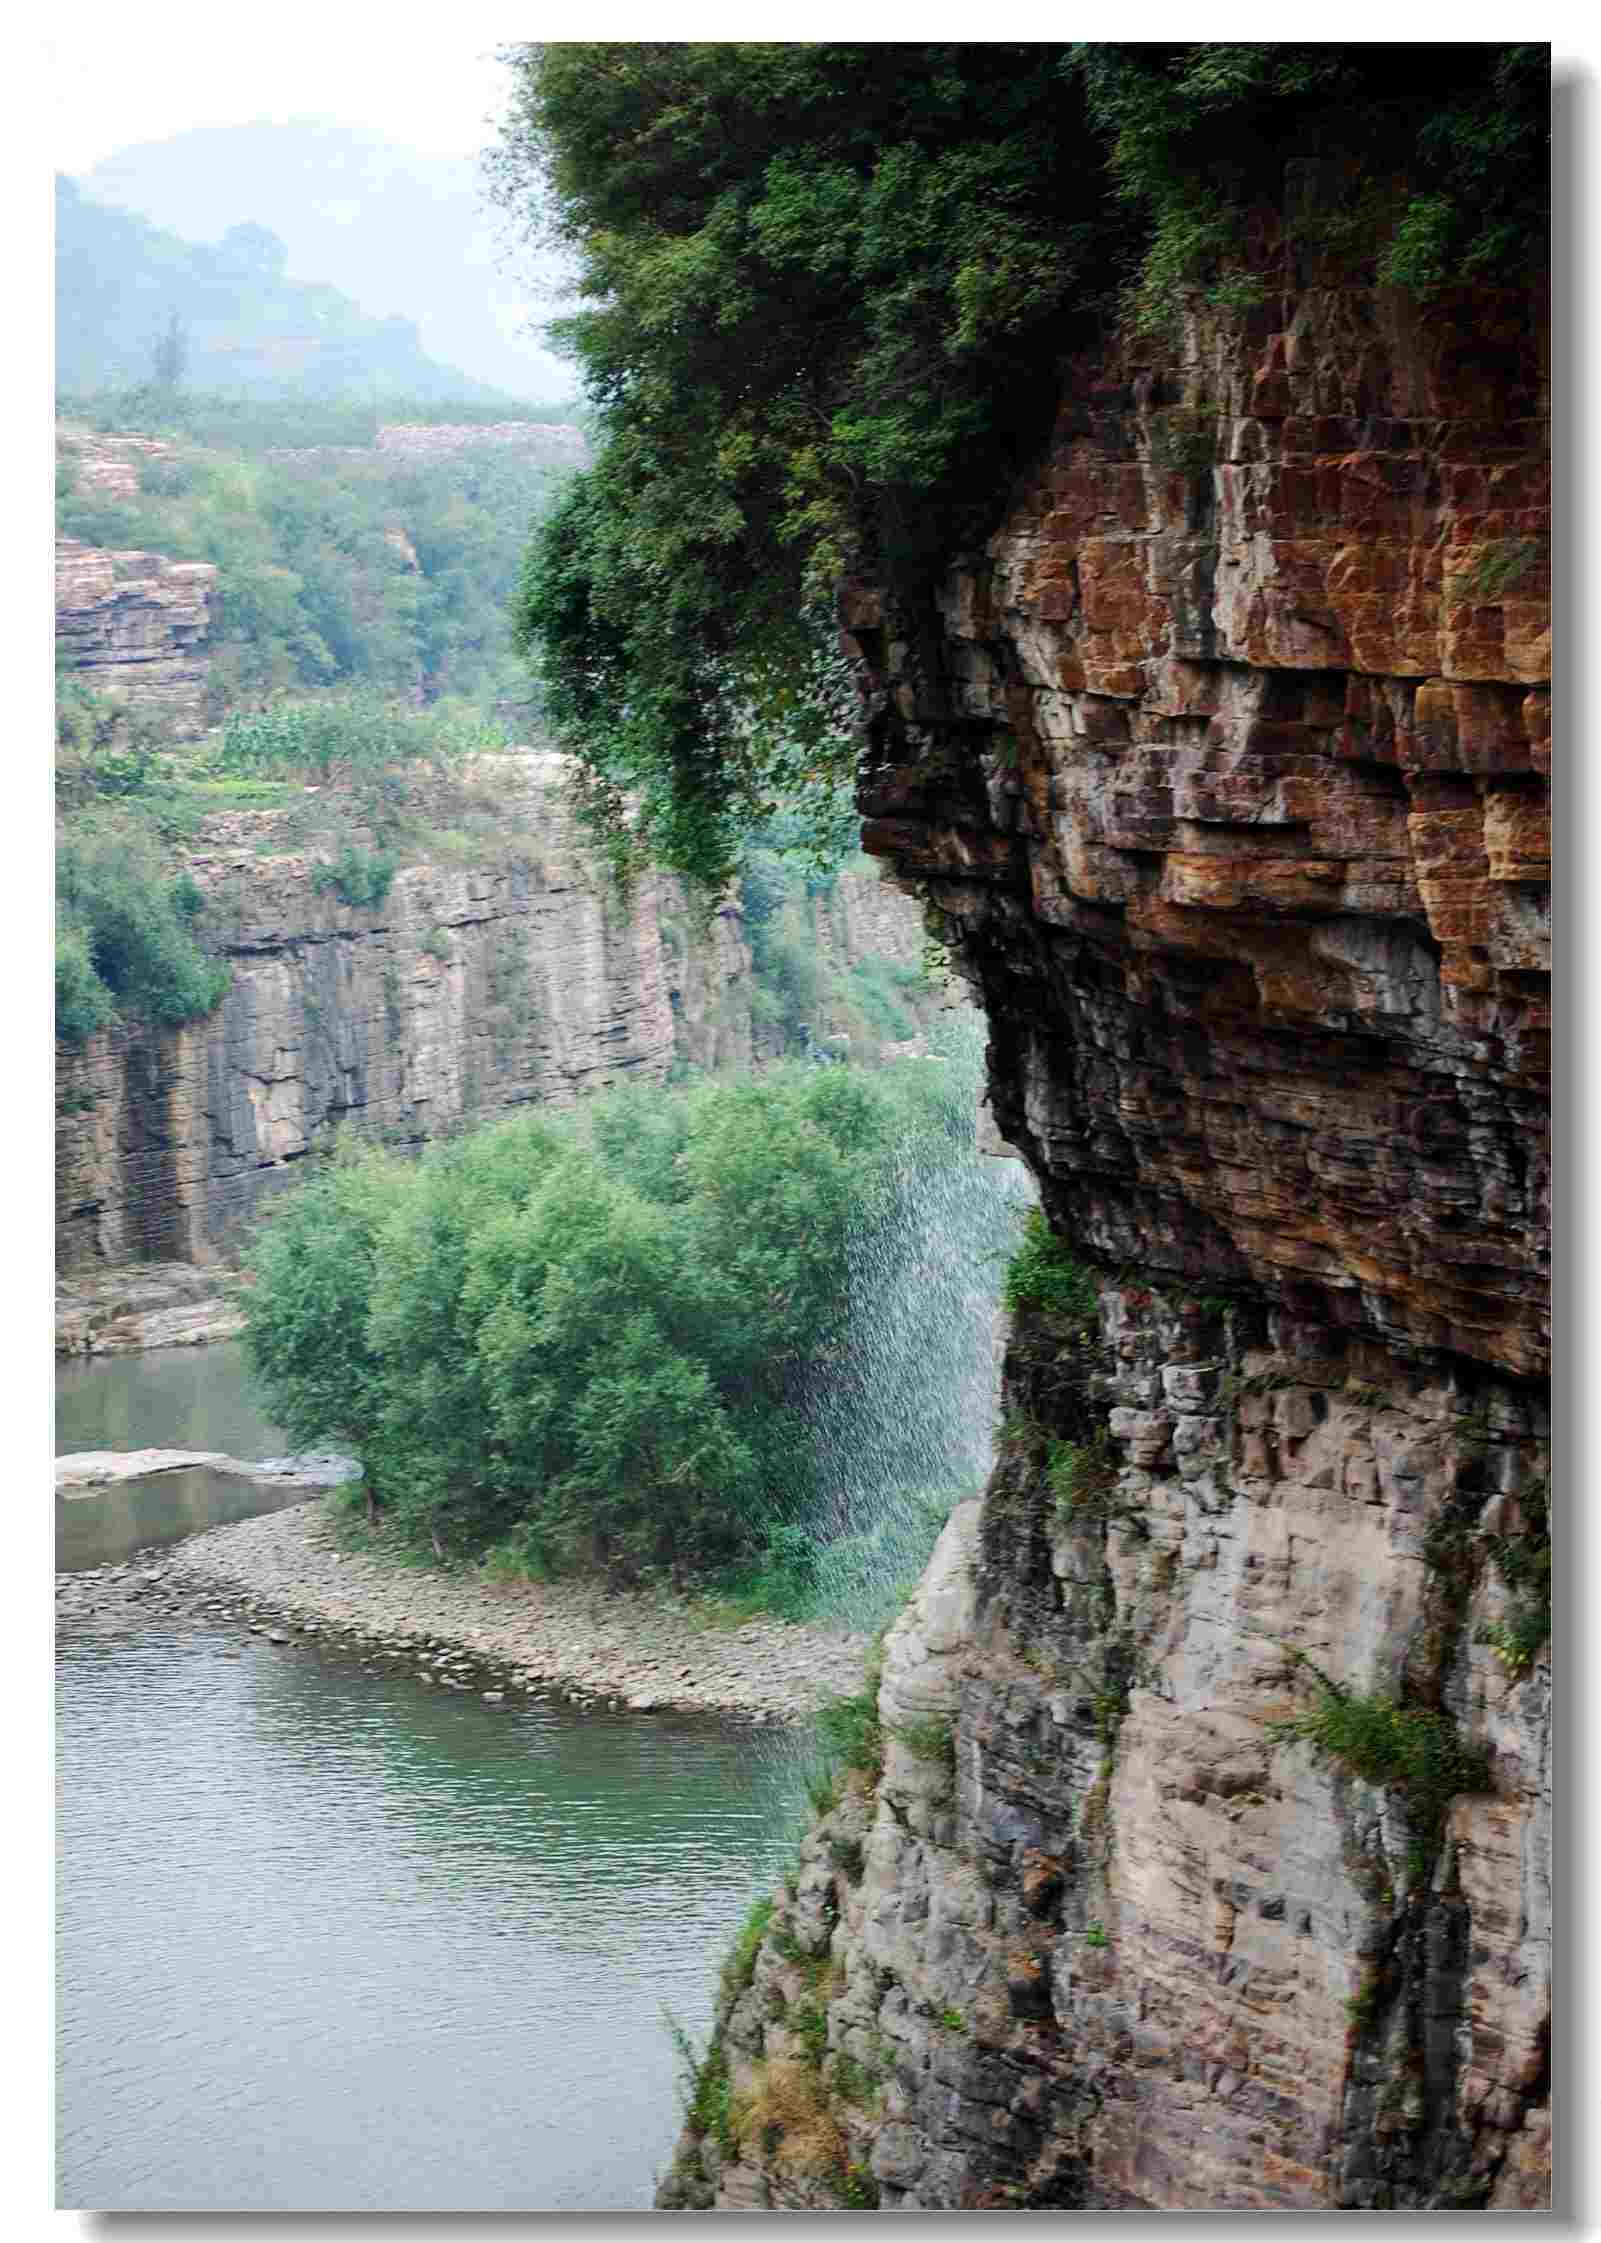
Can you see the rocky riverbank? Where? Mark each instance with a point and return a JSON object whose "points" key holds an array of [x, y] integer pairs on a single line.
{"points": [[138, 1305], [281, 1577]]}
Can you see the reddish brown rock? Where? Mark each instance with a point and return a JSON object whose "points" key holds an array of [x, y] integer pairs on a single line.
{"points": [[1224, 768]]}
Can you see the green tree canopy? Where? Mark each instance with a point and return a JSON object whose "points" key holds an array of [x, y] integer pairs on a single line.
{"points": [[593, 1335], [824, 292]]}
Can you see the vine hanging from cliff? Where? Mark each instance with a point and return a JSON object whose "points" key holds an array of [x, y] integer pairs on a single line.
{"points": [[824, 292]]}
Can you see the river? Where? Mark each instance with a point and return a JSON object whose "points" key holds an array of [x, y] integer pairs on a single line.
{"points": [[329, 1940]]}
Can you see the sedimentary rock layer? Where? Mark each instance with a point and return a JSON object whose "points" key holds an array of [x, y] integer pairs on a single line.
{"points": [[1224, 769], [138, 625], [468, 990]]}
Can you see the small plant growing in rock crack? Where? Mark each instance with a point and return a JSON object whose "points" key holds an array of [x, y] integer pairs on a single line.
{"points": [[1185, 440], [808, 2021], [858, 2191], [932, 1739], [436, 944], [740, 1966], [1412, 1749], [855, 2081], [359, 877], [1524, 1564], [1363, 2005], [704, 2086], [1501, 567], [951, 2019], [847, 1856], [1095, 1933], [1044, 1275], [1082, 1476]]}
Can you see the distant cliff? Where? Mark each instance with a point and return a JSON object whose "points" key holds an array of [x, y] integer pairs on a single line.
{"points": [[137, 625], [469, 989]]}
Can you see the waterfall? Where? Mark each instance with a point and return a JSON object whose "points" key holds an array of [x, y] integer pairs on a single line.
{"points": [[905, 1428]]}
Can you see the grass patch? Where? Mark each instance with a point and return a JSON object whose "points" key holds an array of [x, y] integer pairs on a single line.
{"points": [[704, 2090], [1082, 1476], [739, 1966], [933, 1739], [1043, 1275], [1411, 1749]]}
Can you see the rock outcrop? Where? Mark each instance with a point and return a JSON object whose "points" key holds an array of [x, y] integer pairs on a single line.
{"points": [[469, 989], [1208, 1866], [137, 625]]}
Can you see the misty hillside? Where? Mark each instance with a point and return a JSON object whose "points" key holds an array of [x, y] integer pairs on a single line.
{"points": [[399, 230], [242, 324]]}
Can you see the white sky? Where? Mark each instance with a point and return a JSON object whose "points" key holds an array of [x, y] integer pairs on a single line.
{"points": [[119, 76]]}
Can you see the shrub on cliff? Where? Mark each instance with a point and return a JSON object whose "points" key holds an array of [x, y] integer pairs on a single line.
{"points": [[125, 942], [825, 293], [592, 1335]]}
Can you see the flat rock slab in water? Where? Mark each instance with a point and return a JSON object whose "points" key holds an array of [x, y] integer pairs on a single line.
{"points": [[93, 1469]]}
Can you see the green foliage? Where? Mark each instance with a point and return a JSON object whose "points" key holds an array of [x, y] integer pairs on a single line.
{"points": [[824, 291], [1524, 1564], [933, 1739], [359, 877], [799, 334], [105, 750], [704, 2088], [1095, 1933], [352, 570], [353, 735], [1201, 134], [1082, 1476], [1185, 441], [848, 1858], [1501, 567], [123, 930], [255, 425], [739, 1966], [594, 1331], [858, 2190], [1044, 1276], [808, 2021], [1412, 1749]]}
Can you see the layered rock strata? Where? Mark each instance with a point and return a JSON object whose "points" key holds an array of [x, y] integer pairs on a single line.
{"points": [[468, 990], [137, 625], [1209, 1862]]}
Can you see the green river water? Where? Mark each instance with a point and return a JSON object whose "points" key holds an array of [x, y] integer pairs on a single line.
{"points": [[329, 1940]]}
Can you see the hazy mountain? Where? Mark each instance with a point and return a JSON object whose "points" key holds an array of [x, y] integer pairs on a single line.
{"points": [[234, 318], [397, 230]]}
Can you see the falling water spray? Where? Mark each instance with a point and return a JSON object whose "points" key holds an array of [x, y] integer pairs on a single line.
{"points": [[906, 1426]]}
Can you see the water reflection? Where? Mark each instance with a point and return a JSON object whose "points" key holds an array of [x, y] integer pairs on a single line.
{"points": [[170, 1398], [107, 1526]]}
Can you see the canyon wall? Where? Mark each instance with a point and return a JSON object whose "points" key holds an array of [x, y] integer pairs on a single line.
{"points": [[137, 624], [469, 989], [1204, 1862]]}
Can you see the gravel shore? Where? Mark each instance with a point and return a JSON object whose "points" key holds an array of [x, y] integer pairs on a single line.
{"points": [[281, 1576]]}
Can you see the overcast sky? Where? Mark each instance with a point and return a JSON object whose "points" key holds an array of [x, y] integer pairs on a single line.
{"points": [[123, 75]]}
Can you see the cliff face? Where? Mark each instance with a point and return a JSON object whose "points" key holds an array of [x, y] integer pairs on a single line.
{"points": [[468, 990], [137, 624], [1224, 769]]}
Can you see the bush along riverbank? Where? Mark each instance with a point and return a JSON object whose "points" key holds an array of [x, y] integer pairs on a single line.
{"points": [[285, 1577]]}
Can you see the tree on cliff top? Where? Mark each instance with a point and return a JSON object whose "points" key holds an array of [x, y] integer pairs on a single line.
{"points": [[824, 291]]}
